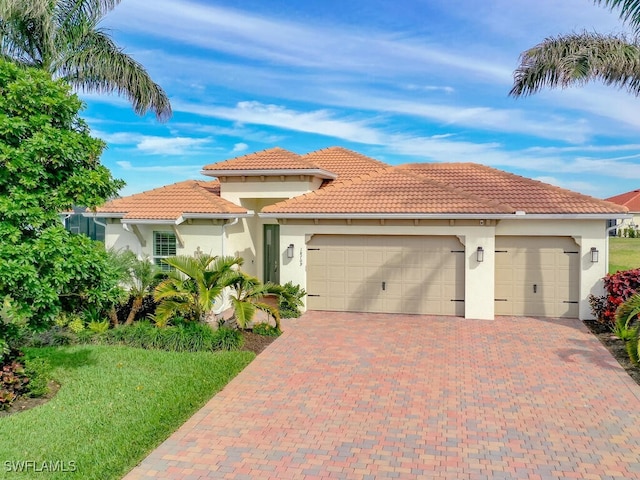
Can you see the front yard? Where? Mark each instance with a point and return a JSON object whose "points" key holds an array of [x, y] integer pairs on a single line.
{"points": [[114, 406]]}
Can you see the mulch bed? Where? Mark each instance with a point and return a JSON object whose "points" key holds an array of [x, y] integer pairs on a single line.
{"points": [[255, 343], [615, 346], [25, 403]]}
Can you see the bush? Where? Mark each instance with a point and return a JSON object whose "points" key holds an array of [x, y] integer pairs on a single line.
{"points": [[187, 337], [632, 349], [13, 383], [56, 336], [619, 287], [291, 300], [266, 330], [38, 370]]}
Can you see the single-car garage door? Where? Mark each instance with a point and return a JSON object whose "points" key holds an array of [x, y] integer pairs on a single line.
{"points": [[391, 274], [537, 276]]}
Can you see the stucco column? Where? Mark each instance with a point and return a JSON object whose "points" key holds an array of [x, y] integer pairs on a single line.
{"points": [[479, 287]]}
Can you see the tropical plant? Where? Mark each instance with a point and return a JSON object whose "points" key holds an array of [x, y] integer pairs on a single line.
{"points": [[579, 58], [248, 295], [291, 300], [63, 37], [626, 316], [139, 278], [193, 285]]}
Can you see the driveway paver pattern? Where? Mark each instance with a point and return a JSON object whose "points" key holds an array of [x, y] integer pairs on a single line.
{"points": [[364, 396]]}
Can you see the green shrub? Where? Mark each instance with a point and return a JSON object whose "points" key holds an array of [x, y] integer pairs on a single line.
{"points": [[266, 330], [632, 350], [38, 370], [76, 324], [227, 339], [54, 337], [291, 300], [98, 326]]}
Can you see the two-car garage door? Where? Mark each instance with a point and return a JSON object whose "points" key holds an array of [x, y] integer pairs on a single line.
{"points": [[392, 274]]}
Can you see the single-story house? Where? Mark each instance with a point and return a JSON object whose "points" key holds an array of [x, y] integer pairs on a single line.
{"points": [[360, 235], [631, 200]]}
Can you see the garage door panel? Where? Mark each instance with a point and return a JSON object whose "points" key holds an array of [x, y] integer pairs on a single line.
{"points": [[536, 276], [417, 272]]}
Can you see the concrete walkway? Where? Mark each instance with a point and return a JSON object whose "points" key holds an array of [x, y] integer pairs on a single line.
{"points": [[362, 396]]}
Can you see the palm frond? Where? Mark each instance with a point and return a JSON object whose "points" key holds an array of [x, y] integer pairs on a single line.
{"points": [[577, 59], [629, 10], [243, 311]]}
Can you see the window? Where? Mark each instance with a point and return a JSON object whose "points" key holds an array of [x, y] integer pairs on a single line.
{"points": [[164, 245]]}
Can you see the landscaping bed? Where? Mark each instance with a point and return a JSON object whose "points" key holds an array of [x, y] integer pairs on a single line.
{"points": [[615, 346]]}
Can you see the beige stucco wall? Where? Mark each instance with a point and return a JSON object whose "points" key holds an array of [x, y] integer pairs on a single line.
{"points": [[234, 188], [200, 234]]}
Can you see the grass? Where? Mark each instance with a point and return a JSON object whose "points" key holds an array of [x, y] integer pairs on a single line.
{"points": [[624, 254], [115, 405]]}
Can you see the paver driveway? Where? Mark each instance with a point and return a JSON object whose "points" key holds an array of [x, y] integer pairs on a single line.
{"points": [[387, 396]]}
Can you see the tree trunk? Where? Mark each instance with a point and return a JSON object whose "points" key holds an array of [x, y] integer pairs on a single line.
{"points": [[135, 308], [113, 315]]}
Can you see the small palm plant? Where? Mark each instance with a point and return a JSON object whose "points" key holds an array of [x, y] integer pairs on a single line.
{"points": [[250, 295], [624, 328], [193, 285]]}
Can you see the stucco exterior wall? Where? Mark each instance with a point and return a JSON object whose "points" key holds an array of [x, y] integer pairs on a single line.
{"points": [[201, 235], [234, 189]]}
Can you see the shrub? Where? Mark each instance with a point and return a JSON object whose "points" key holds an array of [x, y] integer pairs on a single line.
{"points": [[56, 336], [291, 300], [13, 383], [98, 326], [76, 325], [619, 286], [632, 349], [38, 370], [598, 305], [228, 339], [266, 330]]}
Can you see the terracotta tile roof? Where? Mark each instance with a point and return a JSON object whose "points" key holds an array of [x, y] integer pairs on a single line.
{"points": [[273, 159], [631, 200], [521, 193], [452, 188], [172, 201], [343, 162], [388, 190]]}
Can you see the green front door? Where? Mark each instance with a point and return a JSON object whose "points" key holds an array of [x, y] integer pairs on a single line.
{"points": [[272, 253]]}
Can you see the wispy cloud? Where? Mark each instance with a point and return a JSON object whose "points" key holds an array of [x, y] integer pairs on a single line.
{"points": [[175, 169], [156, 145], [239, 147]]}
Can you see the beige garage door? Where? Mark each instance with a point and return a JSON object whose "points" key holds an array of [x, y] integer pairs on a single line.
{"points": [[392, 274], [537, 276]]}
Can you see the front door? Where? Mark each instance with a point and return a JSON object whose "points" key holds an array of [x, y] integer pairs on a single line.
{"points": [[272, 253]]}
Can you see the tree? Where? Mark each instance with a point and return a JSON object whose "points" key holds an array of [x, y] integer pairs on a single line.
{"points": [[193, 286], [48, 162], [579, 58], [63, 37], [248, 296]]}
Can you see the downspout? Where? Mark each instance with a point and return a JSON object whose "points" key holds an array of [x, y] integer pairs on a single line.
{"points": [[224, 229]]}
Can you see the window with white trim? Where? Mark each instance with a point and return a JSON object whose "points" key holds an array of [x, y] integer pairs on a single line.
{"points": [[164, 245]]}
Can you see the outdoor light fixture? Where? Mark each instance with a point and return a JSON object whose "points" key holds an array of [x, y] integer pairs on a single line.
{"points": [[290, 250], [594, 255], [480, 254]]}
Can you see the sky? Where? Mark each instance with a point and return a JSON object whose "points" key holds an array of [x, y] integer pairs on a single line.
{"points": [[400, 81]]}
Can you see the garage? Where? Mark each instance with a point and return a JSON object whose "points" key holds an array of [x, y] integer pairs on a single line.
{"points": [[388, 274], [537, 276]]}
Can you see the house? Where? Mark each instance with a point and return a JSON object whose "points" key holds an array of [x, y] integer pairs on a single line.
{"points": [[360, 235], [76, 222], [631, 200]]}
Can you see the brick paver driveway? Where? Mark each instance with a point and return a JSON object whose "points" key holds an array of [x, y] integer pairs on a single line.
{"points": [[387, 396]]}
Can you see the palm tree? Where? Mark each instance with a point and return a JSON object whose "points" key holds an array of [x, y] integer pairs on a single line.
{"points": [[193, 286], [63, 38], [579, 58], [248, 296]]}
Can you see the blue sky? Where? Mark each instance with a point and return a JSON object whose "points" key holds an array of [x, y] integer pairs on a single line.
{"points": [[403, 81]]}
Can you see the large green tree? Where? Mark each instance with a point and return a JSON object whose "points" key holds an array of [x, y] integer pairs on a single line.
{"points": [[63, 37], [48, 162], [578, 58]]}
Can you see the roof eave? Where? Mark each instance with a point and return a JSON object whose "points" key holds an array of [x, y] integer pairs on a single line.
{"points": [[440, 216], [315, 172]]}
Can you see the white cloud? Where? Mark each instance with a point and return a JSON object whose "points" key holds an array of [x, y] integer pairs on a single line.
{"points": [[170, 145], [192, 170], [239, 147]]}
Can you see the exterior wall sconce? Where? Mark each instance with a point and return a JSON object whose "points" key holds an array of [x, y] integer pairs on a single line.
{"points": [[480, 255], [594, 255], [290, 250]]}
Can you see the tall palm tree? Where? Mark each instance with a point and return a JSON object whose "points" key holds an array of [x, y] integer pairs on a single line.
{"points": [[63, 37], [578, 58]]}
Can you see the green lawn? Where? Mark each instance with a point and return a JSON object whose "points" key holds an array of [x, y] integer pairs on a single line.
{"points": [[116, 404], [624, 254]]}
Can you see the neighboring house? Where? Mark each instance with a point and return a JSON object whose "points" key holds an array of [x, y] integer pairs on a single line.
{"points": [[631, 200], [359, 235], [77, 222]]}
